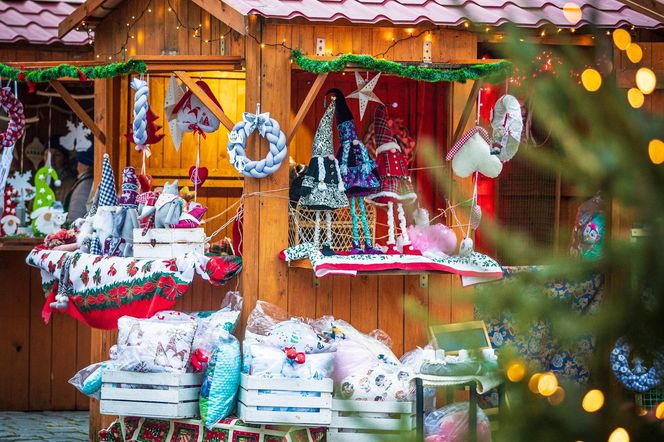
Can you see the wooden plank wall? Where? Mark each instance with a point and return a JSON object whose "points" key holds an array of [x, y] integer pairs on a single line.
{"points": [[40, 358], [653, 58]]}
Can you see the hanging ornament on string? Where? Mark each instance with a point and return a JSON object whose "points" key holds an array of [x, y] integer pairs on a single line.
{"points": [[78, 138], [507, 124], [34, 151], [364, 92], [198, 175]]}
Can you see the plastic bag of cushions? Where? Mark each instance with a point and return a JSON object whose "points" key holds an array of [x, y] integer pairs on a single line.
{"points": [[272, 362], [221, 382], [211, 325], [88, 379], [380, 383], [161, 343], [450, 424], [352, 357], [377, 342]]}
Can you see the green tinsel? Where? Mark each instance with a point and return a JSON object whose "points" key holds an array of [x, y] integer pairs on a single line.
{"points": [[488, 71], [69, 71]]}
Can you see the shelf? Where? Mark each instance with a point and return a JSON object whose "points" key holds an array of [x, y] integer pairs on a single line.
{"points": [[19, 244]]}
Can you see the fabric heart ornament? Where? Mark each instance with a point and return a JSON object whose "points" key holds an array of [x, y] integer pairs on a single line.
{"points": [[197, 176], [145, 183], [475, 217], [472, 153]]}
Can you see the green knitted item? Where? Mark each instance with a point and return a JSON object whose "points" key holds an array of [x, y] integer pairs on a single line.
{"points": [[70, 71], [491, 72]]}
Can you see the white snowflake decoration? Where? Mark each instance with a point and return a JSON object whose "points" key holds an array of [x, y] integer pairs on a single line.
{"points": [[77, 138]]}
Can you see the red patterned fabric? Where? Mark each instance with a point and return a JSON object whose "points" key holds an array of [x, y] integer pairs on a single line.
{"points": [[383, 131]]}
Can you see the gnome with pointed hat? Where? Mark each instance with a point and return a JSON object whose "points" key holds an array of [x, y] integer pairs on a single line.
{"points": [[358, 172], [395, 185], [125, 219], [322, 187], [107, 202]]}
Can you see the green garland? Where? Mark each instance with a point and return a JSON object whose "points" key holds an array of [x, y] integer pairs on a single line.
{"points": [[489, 71], [69, 71]]}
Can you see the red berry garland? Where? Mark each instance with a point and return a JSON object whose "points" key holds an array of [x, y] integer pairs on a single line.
{"points": [[14, 109]]}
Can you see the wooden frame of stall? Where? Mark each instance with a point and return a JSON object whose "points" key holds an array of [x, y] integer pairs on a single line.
{"points": [[228, 39]]}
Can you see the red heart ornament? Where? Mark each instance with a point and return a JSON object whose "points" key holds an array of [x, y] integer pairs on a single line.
{"points": [[198, 176], [145, 183]]}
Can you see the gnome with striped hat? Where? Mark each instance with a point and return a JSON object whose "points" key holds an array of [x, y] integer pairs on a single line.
{"points": [[396, 187]]}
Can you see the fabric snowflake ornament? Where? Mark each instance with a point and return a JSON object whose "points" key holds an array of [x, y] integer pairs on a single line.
{"points": [[78, 138]]}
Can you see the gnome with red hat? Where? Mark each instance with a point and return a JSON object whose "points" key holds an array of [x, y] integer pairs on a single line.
{"points": [[358, 172], [396, 187]]}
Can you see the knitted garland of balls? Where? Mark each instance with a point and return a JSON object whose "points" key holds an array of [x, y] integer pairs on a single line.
{"points": [[10, 104], [237, 145], [638, 380], [70, 71], [490, 71]]}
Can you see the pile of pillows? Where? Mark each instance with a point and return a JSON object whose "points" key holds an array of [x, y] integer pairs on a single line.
{"points": [[176, 342]]}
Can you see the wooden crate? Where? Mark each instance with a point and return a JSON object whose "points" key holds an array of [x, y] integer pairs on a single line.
{"points": [[259, 397], [369, 421], [177, 397], [168, 243]]}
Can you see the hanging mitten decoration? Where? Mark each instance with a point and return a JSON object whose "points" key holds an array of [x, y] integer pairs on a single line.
{"points": [[187, 113], [472, 153], [14, 109]]}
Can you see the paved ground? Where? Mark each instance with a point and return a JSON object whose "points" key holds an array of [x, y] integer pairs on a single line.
{"points": [[44, 426]]}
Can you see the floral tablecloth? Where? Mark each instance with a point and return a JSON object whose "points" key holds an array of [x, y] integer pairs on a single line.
{"points": [[135, 429], [101, 289], [538, 343]]}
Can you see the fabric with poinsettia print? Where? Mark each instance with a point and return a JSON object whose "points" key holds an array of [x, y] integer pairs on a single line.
{"points": [[102, 289], [133, 429]]}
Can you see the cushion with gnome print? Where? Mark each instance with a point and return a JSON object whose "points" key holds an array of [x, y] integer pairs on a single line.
{"points": [[159, 344]]}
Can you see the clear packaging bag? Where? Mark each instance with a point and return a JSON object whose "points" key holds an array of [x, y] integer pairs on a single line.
{"points": [[450, 424]]}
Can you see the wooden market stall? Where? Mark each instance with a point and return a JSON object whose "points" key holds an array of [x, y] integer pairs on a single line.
{"points": [[43, 357], [244, 52]]}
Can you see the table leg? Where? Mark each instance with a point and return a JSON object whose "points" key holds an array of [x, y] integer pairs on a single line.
{"points": [[472, 413], [419, 409]]}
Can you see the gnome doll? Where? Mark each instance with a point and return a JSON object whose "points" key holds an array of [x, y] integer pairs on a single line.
{"points": [[125, 219], [358, 172], [107, 202], [322, 187], [395, 185]]}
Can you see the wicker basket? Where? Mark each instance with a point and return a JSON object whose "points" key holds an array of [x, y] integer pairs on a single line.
{"points": [[302, 222]]}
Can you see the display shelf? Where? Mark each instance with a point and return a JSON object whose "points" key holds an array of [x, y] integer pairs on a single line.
{"points": [[19, 244]]}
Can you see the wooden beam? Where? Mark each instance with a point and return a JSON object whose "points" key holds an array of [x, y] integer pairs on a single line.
{"points": [[650, 8], [306, 105], [467, 109], [198, 63], [207, 101], [78, 110], [225, 13], [79, 15]]}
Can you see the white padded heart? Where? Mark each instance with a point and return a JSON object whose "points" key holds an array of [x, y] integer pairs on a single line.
{"points": [[475, 155]]}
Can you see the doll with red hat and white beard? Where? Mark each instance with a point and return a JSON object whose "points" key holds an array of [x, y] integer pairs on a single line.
{"points": [[396, 188]]}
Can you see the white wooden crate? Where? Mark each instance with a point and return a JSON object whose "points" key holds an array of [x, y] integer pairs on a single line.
{"points": [[371, 421], [177, 397], [168, 243], [259, 396]]}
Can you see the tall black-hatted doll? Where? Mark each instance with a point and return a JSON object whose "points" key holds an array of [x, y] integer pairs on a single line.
{"points": [[358, 171], [322, 187], [395, 185]]}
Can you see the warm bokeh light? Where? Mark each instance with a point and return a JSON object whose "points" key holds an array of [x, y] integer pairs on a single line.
{"points": [[572, 12], [659, 411], [557, 397], [516, 371], [593, 401], [656, 152], [646, 80], [547, 384], [634, 53], [635, 98], [591, 80], [621, 39], [532, 383], [619, 435]]}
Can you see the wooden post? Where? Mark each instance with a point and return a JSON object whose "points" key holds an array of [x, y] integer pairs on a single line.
{"points": [[306, 105], [78, 110], [465, 116]]}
